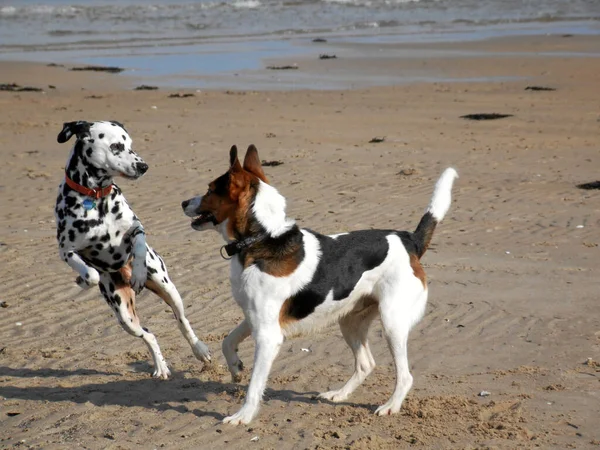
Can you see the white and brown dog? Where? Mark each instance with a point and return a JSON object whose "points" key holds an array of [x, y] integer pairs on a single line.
{"points": [[291, 281]]}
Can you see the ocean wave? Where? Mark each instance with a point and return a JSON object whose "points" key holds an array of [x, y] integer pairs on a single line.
{"points": [[58, 22], [371, 3], [250, 4], [118, 10], [39, 10]]}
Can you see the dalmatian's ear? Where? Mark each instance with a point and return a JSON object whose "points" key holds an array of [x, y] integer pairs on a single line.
{"points": [[81, 129], [114, 122]]}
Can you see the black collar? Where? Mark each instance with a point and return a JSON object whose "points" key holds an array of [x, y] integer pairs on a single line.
{"points": [[235, 247]]}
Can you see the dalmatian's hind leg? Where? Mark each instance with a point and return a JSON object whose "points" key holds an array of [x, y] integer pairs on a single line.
{"points": [[160, 283], [121, 298]]}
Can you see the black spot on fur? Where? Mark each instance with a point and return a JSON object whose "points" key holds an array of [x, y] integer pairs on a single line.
{"points": [[70, 201], [117, 256], [117, 148], [343, 262], [83, 226], [101, 135]]}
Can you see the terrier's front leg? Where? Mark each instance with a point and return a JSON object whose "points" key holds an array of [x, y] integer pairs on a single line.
{"points": [[268, 342], [230, 349]]}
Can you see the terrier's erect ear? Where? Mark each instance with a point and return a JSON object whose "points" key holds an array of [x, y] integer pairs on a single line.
{"points": [[232, 155], [235, 165], [81, 129], [252, 163]]}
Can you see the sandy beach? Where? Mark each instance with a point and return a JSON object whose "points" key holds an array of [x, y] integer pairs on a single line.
{"points": [[513, 269]]}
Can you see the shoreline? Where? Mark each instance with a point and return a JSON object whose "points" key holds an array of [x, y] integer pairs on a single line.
{"points": [[243, 65]]}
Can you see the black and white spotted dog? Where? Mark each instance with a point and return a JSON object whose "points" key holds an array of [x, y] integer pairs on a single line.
{"points": [[102, 239]]}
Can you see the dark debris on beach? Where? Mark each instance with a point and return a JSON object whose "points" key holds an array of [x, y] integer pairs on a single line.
{"points": [[539, 88], [178, 95], [485, 116], [319, 40], [589, 186], [145, 87], [108, 69], [14, 87], [377, 140], [294, 67], [324, 56], [273, 163]]}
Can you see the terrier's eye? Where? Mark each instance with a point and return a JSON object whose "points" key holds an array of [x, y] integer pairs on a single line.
{"points": [[209, 191]]}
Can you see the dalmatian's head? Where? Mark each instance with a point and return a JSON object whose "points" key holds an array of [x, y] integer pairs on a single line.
{"points": [[106, 146]]}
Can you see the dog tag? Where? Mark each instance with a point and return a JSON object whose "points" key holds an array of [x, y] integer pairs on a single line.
{"points": [[89, 204]]}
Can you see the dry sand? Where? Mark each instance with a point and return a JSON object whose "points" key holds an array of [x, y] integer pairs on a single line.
{"points": [[513, 271]]}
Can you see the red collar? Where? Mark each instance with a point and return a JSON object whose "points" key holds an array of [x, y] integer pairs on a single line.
{"points": [[94, 193]]}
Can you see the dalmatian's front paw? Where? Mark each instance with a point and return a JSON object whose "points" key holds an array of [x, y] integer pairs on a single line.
{"points": [[201, 351], [91, 279], [139, 275]]}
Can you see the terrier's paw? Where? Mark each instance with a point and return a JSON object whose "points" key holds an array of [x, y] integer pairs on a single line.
{"points": [[388, 409], [333, 396], [243, 416], [237, 371]]}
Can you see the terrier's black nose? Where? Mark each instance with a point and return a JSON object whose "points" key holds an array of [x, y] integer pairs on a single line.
{"points": [[185, 203], [141, 167]]}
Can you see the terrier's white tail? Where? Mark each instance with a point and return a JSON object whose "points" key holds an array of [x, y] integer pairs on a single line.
{"points": [[435, 212]]}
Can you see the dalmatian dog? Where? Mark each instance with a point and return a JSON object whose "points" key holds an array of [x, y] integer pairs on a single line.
{"points": [[102, 239]]}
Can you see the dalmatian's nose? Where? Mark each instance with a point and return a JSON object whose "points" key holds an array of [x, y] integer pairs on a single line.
{"points": [[141, 168], [185, 203]]}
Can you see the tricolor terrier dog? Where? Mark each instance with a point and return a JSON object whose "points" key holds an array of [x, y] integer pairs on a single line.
{"points": [[291, 281], [101, 238]]}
